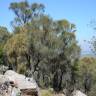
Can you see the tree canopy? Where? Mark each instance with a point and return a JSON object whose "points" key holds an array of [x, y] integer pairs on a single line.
{"points": [[42, 47]]}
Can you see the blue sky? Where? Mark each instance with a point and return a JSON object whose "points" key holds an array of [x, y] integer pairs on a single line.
{"points": [[79, 12]]}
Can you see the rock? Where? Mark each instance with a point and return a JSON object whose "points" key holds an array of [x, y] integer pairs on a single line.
{"points": [[78, 93], [75, 93], [15, 92], [59, 95], [5, 89], [20, 80], [14, 84], [3, 79], [25, 84]]}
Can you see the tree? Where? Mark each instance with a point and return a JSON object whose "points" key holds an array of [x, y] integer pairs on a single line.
{"points": [[44, 47], [1, 56], [87, 78], [24, 12], [16, 47], [4, 36], [92, 42], [68, 56]]}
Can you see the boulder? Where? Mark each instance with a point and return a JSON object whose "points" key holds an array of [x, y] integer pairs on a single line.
{"points": [[14, 84], [3, 79], [27, 85], [20, 80], [59, 94], [78, 93]]}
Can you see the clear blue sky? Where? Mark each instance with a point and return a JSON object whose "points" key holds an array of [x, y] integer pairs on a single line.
{"points": [[79, 12]]}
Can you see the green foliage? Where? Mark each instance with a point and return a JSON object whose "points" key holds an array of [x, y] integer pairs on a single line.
{"points": [[15, 48], [87, 71], [4, 35], [1, 56], [24, 12], [92, 91], [43, 47]]}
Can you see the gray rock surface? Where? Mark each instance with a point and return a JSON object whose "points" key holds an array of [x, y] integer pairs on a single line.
{"points": [[14, 84], [3, 79], [20, 80], [78, 93]]}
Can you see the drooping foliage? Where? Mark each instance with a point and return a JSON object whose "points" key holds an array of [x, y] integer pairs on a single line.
{"points": [[4, 36], [86, 72], [43, 47]]}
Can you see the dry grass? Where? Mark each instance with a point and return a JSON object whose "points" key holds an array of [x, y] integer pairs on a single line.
{"points": [[49, 93], [46, 92]]}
